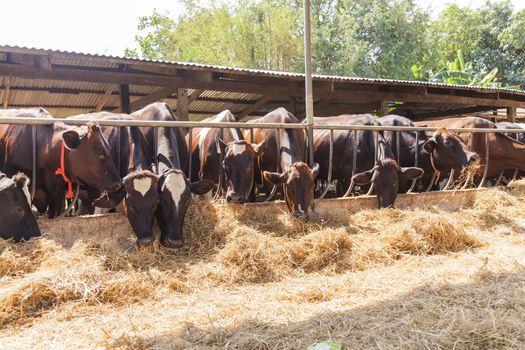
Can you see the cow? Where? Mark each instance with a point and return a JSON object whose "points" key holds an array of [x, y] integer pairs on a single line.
{"points": [[16, 218], [238, 157], [164, 196], [507, 125], [65, 155], [438, 153], [373, 165], [285, 166], [128, 150], [505, 153]]}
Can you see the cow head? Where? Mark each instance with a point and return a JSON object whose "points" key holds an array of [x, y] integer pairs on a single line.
{"points": [[298, 184], [88, 158], [385, 176], [165, 197], [175, 194], [238, 164], [16, 218], [448, 151], [140, 204]]}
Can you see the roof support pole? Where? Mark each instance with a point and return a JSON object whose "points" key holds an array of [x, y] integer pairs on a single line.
{"points": [[5, 99], [511, 114], [124, 99], [182, 104], [309, 98], [382, 109]]}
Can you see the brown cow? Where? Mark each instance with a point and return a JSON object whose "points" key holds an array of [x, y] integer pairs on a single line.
{"points": [[505, 153], [83, 150], [239, 155], [295, 176]]}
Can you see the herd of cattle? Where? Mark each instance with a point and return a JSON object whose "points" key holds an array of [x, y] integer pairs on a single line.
{"points": [[148, 169]]}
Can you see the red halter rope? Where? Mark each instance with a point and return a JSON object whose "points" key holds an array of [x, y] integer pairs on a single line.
{"points": [[62, 171]]}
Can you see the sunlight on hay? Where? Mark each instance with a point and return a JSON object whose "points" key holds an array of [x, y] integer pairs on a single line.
{"points": [[232, 248]]}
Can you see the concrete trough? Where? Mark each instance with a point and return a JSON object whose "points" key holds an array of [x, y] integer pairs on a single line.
{"points": [[116, 226]]}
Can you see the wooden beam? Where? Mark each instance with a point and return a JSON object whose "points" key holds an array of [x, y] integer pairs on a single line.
{"points": [[124, 98], [153, 97], [511, 115], [194, 96], [5, 97], [254, 107], [182, 104], [445, 113], [382, 108], [293, 105], [105, 97]]}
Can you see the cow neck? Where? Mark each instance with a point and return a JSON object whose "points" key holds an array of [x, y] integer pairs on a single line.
{"points": [[288, 153], [62, 171]]}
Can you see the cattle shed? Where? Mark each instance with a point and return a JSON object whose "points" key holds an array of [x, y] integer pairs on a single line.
{"points": [[70, 83]]}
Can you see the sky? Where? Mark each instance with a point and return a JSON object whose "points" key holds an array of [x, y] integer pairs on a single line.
{"points": [[105, 26]]}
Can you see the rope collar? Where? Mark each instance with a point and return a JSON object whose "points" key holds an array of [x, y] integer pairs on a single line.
{"points": [[436, 171], [62, 171]]}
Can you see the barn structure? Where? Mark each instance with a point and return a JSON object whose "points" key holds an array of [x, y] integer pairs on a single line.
{"points": [[70, 83]]}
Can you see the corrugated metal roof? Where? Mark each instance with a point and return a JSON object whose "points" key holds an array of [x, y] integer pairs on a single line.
{"points": [[109, 61]]}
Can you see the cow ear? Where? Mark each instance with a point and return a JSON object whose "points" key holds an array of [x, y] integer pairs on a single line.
{"points": [[257, 148], [276, 178], [363, 178], [22, 182], [71, 139], [314, 170], [411, 172], [220, 144], [430, 145], [201, 187]]}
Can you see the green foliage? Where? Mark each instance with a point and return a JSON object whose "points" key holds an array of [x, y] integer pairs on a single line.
{"points": [[371, 38]]}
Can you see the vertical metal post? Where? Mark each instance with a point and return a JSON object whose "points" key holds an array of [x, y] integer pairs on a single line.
{"points": [[330, 164], [416, 160], [309, 108], [155, 148], [33, 180], [118, 150], [487, 159], [190, 142]]}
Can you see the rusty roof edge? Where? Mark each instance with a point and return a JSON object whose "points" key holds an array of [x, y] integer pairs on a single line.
{"points": [[190, 65]]}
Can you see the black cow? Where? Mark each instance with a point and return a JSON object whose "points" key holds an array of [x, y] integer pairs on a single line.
{"points": [[373, 164], [16, 218]]}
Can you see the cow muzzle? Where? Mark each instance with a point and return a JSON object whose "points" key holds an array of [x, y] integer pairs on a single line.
{"points": [[172, 243], [472, 158], [301, 215], [145, 241], [232, 197]]}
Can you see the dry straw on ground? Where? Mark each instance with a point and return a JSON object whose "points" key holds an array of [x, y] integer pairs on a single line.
{"points": [[381, 278]]}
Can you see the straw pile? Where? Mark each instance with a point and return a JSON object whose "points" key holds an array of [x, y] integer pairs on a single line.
{"points": [[381, 278]]}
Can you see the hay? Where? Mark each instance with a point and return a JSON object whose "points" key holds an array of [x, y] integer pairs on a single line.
{"points": [[424, 278]]}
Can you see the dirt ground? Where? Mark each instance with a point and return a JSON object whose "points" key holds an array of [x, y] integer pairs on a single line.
{"points": [[383, 279]]}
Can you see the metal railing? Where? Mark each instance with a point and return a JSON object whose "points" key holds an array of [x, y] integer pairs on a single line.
{"points": [[280, 126]]}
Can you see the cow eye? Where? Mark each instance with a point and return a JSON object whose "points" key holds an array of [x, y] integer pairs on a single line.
{"points": [[19, 210], [100, 155]]}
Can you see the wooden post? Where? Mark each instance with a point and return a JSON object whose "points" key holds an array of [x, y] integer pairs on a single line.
{"points": [[511, 114], [5, 99], [124, 98], [293, 105], [382, 109], [182, 104]]}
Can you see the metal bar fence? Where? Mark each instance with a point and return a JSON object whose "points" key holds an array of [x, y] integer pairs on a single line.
{"points": [[279, 126]]}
